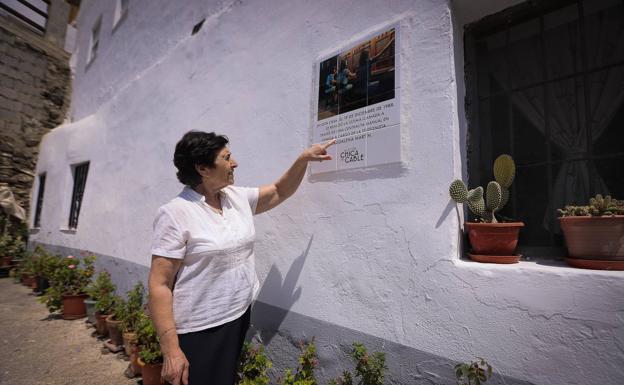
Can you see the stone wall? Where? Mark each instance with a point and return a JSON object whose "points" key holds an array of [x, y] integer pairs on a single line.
{"points": [[34, 98]]}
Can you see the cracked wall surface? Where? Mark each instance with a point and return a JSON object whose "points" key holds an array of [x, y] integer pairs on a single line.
{"points": [[372, 251]]}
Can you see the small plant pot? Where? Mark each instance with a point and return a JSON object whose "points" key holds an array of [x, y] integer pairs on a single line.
{"points": [[134, 358], [594, 242], [114, 331], [73, 306], [494, 239], [100, 324], [150, 372], [128, 339], [42, 284], [26, 279], [90, 305]]}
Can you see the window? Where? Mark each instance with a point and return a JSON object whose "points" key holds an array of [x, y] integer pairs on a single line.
{"points": [[33, 13], [95, 41], [121, 9], [545, 85], [80, 180], [37, 222]]}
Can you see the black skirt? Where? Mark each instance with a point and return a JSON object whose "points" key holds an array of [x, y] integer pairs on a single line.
{"points": [[213, 354]]}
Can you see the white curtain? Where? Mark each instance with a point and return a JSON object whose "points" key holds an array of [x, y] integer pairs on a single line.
{"points": [[567, 112]]}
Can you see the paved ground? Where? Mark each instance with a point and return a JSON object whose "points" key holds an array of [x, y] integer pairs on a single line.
{"points": [[42, 350]]}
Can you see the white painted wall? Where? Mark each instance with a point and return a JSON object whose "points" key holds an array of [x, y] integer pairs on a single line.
{"points": [[384, 254]]}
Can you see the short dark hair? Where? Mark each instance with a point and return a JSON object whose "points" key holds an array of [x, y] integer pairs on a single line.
{"points": [[196, 148]]}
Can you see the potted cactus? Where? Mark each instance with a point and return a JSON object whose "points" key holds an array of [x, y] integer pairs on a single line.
{"points": [[492, 240], [594, 234]]}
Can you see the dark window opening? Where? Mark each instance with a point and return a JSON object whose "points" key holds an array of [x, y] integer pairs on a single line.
{"points": [[80, 180], [545, 84], [37, 222]]}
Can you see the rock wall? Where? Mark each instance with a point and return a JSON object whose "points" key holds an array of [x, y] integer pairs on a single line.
{"points": [[34, 98]]}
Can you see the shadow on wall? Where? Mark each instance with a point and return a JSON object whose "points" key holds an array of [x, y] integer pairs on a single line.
{"points": [[283, 292]]}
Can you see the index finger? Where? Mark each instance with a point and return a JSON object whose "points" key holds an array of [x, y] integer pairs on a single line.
{"points": [[328, 143]]}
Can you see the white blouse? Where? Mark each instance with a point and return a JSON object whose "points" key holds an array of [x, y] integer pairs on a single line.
{"points": [[217, 280]]}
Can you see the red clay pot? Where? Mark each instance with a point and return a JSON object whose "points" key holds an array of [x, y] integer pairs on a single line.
{"points": [[498, 239], [150, 373], [114, 331], [74, 307], [594, 242], [26, 279], [6, 261], [100, 324]]}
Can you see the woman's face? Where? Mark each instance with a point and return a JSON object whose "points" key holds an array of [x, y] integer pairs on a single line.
{"points": [[222, 174]]}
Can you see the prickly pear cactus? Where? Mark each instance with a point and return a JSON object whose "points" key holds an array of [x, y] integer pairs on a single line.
{"points": [[496, 194], [504, 170], [504, 174], [458, 191]]}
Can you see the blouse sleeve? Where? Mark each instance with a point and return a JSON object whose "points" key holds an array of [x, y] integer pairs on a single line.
{"points": [[252, 194], [167, 238]]}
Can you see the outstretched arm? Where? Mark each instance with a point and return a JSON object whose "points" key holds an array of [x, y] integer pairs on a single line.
{"points": [[273, 194]]}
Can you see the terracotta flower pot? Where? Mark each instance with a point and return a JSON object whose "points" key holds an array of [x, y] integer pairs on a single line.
{"points": [[26, 279], [114, 331], [594, 242], [128, 339], [6, 261], [492, 240], [100, 324], [150, 372], [73, 306]]}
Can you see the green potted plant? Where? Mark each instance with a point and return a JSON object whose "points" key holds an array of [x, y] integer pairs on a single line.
{"points": [[68, 286], [101, 286], [103, 308], [150, 357], [5, 255], [492, 240], [113, 324], [594, 234], [26, 265], [473, 373], [44, 265], [134, 309]]}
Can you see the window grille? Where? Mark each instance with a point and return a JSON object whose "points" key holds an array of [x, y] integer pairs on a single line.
{"points": [[42, 179], [33, 13], [545, 84], [80, 180]]}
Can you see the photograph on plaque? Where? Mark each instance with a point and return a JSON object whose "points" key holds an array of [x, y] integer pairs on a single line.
{"points": [[357, 78], [357, 103]]}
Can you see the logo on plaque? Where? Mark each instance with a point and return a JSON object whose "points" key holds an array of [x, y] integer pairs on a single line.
{"points": [[350, 155]]}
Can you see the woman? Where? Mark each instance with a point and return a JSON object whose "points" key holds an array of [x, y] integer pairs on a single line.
{"points": [[202, 279]]}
